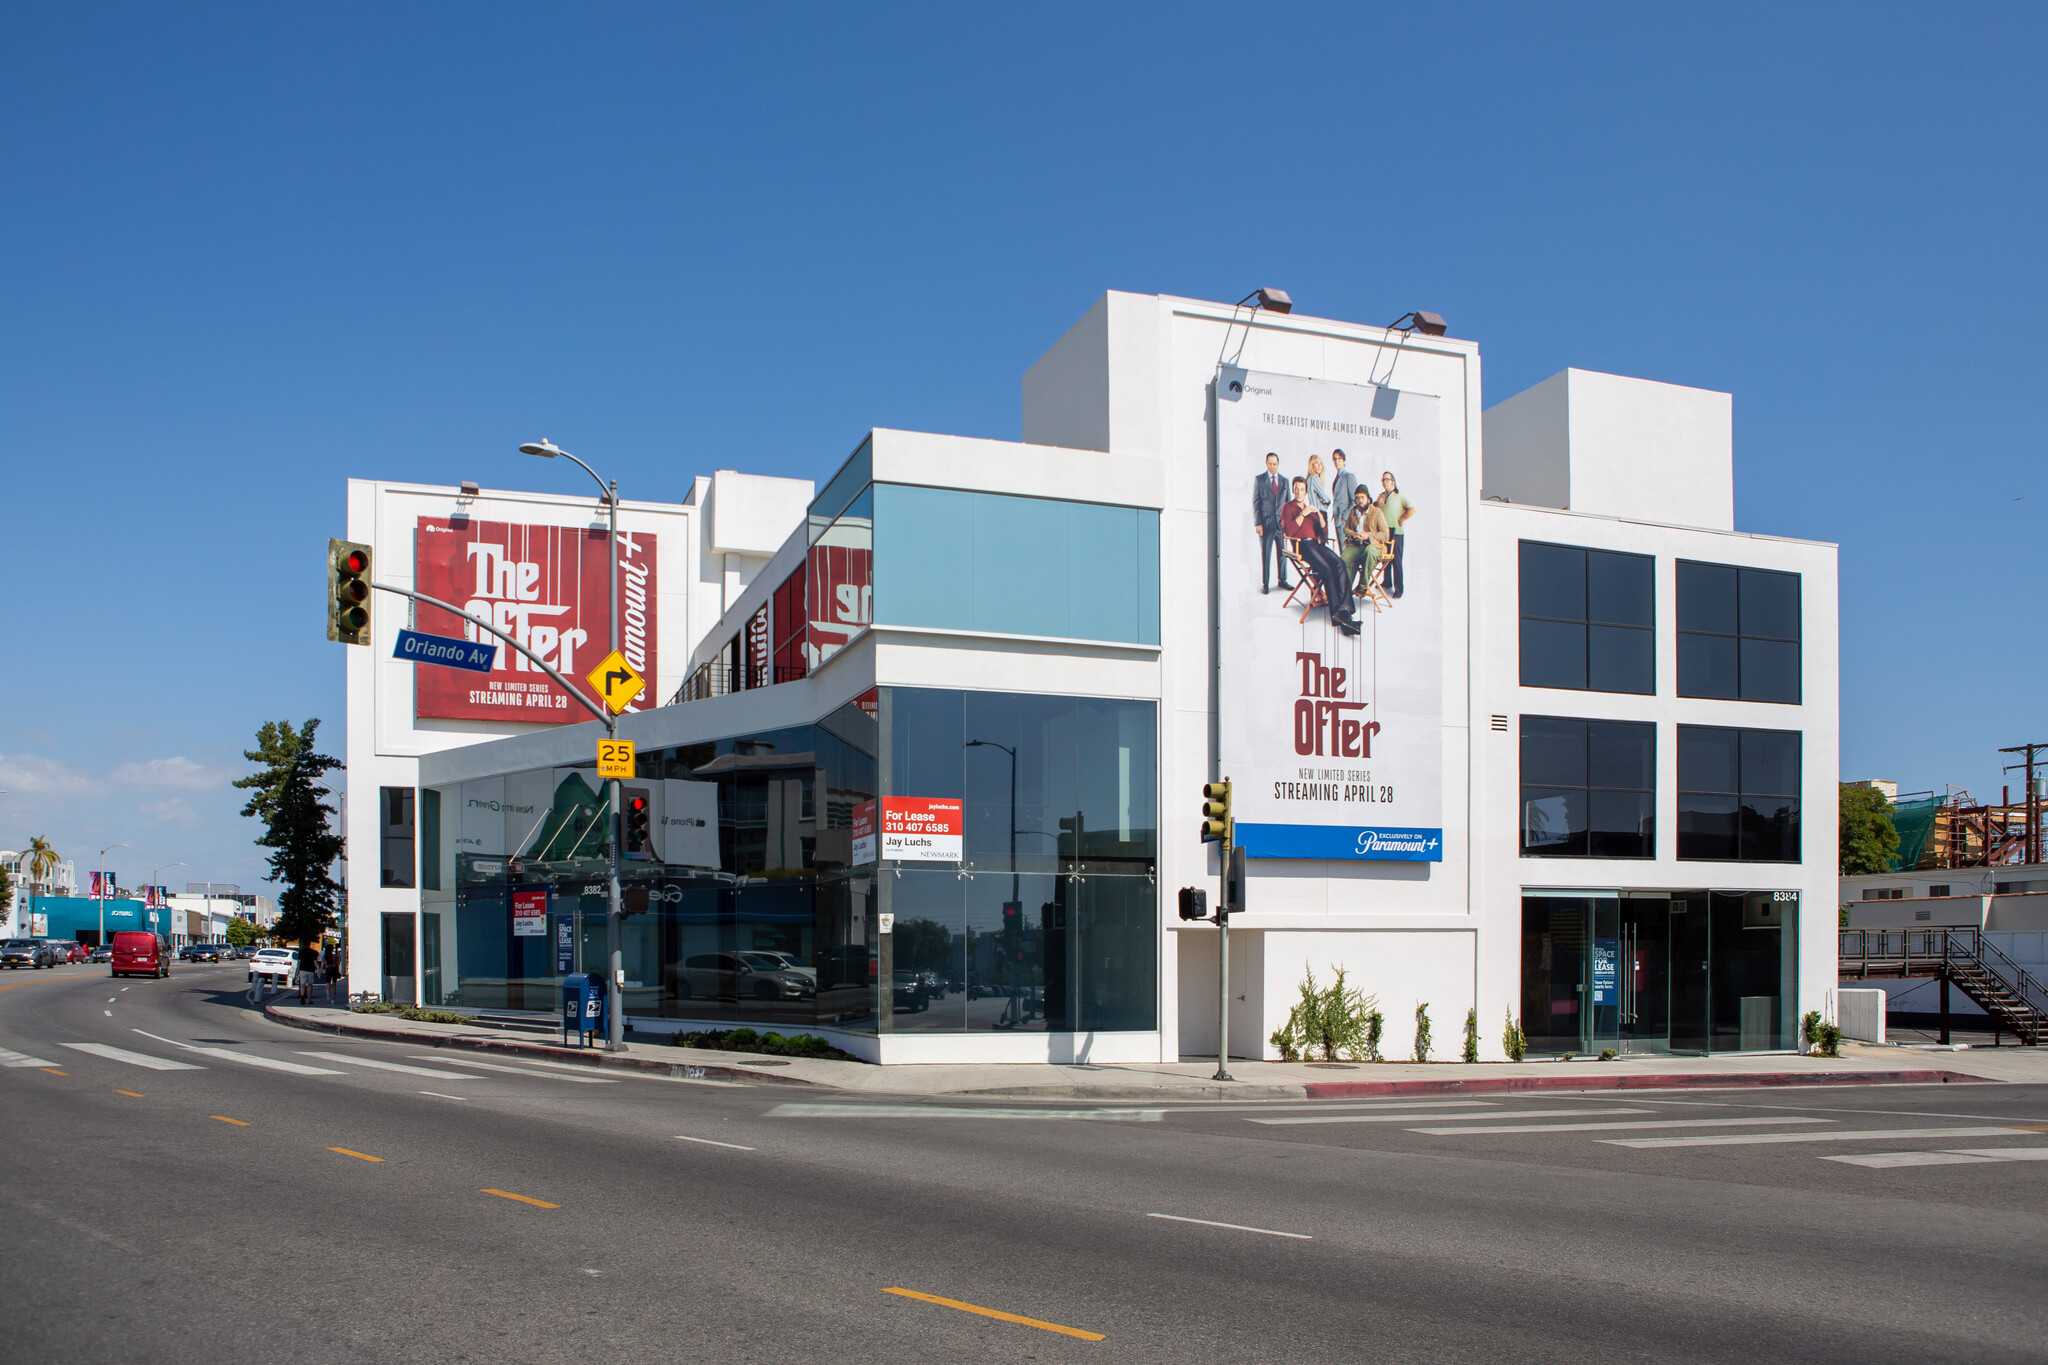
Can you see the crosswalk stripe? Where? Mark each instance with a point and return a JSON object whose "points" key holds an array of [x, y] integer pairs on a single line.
{"points": [[121, 1054], [1407, 1116], [522, 1071], [389, 1066], [248, 1058], [21, 1058], [922, 1111], [1864, 1135], [1632, 1123], [1884, 1161], [2007, 1153]]}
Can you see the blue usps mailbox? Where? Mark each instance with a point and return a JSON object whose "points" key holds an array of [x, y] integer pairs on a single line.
{"points": [[583, 1007]]}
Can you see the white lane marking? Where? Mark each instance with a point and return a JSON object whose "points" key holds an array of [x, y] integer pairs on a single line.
{"points": [[1234, 1227], [439, 1096], [2006, 1153], [117, 1054], [1405, 1115], [522, 1071], [126, 989], [110, 1000], [1866, 1135], [247, 1058], [919, 1111], [708, 1142], [1325, 1106], [389, 1066], [1884, 1161], [21, 1059], [108, 1013], [1631, 1123]]}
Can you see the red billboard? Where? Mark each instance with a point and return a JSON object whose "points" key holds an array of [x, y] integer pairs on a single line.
{"points": [[545, 586]]}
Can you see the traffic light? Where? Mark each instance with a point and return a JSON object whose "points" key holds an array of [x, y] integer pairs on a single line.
{"points": [[1233, 881], [1194, 903], [1215, 811], [1013, 929], [348, 592], [639, 822]]}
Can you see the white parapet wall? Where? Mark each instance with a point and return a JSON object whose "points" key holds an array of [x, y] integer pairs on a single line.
{"points": [[1860, 1014]]}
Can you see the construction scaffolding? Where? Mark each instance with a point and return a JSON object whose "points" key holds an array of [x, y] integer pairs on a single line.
{"points": [[1954, 829]]}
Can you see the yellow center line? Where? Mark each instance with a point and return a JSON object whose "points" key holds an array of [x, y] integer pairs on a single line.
{"points": [[135, 1093], [507, 1194], [997, 1314], [225, 1119], [359, 1156], [53, 1071]]}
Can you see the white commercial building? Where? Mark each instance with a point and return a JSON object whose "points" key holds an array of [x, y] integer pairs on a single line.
{"points": [[1517, 723]]}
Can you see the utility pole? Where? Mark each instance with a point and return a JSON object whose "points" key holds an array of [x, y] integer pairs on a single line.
{"points": [[2033, 840]]}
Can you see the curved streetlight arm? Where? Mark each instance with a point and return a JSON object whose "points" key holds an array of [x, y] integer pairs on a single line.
{"points": [[610, 722], [602, 486]]}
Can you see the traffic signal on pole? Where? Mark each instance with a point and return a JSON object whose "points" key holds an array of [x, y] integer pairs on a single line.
{"points": [[348, 592], [1194, 903], [639, 821], [1215, 811]]}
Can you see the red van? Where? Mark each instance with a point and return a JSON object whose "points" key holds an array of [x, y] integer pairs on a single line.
{"points": [[140, 954]]}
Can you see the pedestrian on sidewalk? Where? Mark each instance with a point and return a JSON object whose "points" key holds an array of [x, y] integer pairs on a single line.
{"points": [[331, 971], [309, 963]]}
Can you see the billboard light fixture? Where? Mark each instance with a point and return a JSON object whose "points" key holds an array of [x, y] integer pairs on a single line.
{"points": [[1270, 299], [1427, 323]]}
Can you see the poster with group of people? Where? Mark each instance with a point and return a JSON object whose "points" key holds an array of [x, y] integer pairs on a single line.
{"points": [[1331, 605]]}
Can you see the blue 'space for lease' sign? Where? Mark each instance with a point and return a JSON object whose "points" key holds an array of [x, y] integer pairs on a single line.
{"points": [[421, 648]]}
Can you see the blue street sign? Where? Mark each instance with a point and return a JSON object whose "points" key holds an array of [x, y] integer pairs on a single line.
{"points": [[422, 648]]}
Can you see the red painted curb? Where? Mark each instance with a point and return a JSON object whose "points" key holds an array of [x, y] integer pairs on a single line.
{"points": [[1339, 1090], [692, 1071]]}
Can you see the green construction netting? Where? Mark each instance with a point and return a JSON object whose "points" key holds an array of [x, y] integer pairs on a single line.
{"points": [[1915, 822]]}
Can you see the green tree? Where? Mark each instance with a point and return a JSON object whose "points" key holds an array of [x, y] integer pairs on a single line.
{"points": [[241, 933], [297, 828], [42, 860], [1869, 840], [6, 890]]}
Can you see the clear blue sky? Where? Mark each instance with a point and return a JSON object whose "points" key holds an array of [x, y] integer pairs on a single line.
{"points": [[253, 250]]}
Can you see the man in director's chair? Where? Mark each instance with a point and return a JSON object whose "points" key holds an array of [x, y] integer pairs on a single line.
{"points": [[1323, 575]]}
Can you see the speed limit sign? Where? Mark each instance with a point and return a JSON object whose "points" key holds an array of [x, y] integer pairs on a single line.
{"points": [[614, 758]]}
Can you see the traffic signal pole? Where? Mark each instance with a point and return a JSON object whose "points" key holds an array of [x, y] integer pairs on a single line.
{"points": [[1223, 908], [615, 1033]]}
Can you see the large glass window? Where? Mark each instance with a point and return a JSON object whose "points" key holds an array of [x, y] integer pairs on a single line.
{"points": [[744, 905], [1015, 566], [395, 835], [1588, 619], [1738, 633], [1588, 788], [1049, 923], [1738, 794]]}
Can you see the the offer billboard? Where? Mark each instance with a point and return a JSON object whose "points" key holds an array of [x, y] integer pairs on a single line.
{"points": [[546, 587], [1330, 600]]}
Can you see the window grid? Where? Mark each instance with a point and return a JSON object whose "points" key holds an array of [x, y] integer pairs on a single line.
{"points": [[1739, 633], [1588, 788], [1738, 794], [1588, 618]]}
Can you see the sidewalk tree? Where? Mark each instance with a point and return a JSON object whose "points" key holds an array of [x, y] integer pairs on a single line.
{"points": [[241, 933], [1869, 840], [298, 828]]}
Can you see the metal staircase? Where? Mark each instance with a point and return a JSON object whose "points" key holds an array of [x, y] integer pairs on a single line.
{"points": [[1965, 958]]}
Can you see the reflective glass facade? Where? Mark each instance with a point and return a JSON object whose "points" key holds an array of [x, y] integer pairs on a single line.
{"points": [[752, 910]]}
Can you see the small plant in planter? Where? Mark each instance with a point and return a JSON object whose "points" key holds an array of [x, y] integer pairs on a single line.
{"points": [[1422, 1032], [1608, 1054], [1472, 1034], [1513, 1041]]}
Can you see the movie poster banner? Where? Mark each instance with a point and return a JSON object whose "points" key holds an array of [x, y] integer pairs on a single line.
{"points": [[1330, 601], [545, 586]]}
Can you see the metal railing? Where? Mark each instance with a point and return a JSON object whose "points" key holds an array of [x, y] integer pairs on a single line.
{"points": [[1934, 952]]}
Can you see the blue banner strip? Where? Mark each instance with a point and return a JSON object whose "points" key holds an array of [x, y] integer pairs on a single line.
{"points": [[1341, 841], [446, 650]]}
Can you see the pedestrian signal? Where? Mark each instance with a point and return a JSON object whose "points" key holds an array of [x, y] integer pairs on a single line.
{"points": [[1194, 903]]}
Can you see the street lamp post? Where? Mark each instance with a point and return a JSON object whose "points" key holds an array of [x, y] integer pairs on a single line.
{"points": [[1012, 1012], [166, 907], [615, 1034], [101, 897]]}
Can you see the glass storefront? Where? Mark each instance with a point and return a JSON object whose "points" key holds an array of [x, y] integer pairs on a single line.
{"points": [[744, 903], [1668, 971]]}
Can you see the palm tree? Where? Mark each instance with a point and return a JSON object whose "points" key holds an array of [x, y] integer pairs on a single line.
{"points": [[42, 860]]}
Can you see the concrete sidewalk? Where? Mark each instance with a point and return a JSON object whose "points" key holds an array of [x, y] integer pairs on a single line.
{"points": [[1191, 1080]]}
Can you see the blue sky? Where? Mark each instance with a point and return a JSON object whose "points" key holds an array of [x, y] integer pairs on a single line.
{"points": [[251, 251]]}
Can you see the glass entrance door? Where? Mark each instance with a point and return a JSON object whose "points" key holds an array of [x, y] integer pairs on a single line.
{"points": [[1643, 974]]}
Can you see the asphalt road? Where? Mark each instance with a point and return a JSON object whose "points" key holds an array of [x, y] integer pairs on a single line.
{"points": [[186, 1181]]}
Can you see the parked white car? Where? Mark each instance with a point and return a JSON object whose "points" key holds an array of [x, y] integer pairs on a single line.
{"points": [[277, 966]]}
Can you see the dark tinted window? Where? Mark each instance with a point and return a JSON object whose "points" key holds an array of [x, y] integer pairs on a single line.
{"points": [[1738, 633], [1738, 794], [1588, 788], [1587, 619]]}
